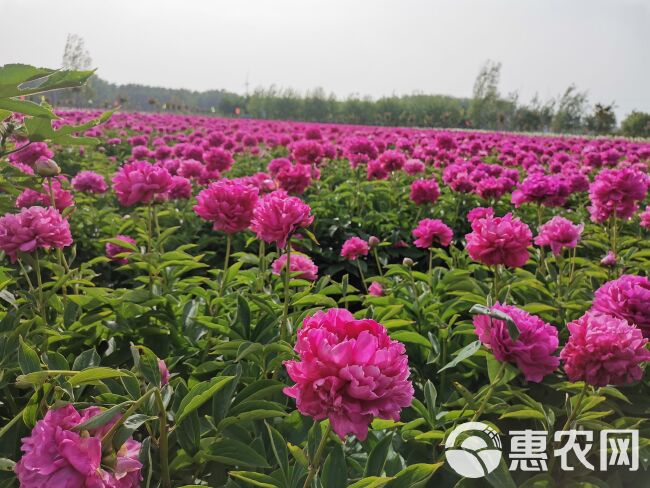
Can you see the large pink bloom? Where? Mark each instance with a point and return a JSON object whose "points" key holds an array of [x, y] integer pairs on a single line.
{"points": [[617, 192], [62, 197], [54, 455], [533, 351], [353, 248], [432, 231], [31, 229], [219, 159], [424, 191], [499, 240], [627, 298], [604, 350], [299, 263], [277, 216], [559, 233], [140, 182], [547, 190], [89, 182], [228, 204], [349, 371], [31, 153]]}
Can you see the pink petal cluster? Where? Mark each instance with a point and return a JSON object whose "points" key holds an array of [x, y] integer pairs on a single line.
{"points": [[31, 153], [300, 263], [604, 350], [414, 166], [375, 289], [33, 228], [113, 250], [54, 455], [228, 204], [499, 240], [350, 371], [616, 192], [645, 218], [89, 182], [278, 216], [627, 298], [479, 213], [424, 191], [353, 248], [547, 190], [534, 349], [164, 372], [140, 182], [181, 188], [432, 231], [295, 178], [219, 159], [559, 233], [62, 197]]}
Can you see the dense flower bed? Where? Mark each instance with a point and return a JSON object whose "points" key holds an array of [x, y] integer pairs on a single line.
{"points": [[215, 302]]}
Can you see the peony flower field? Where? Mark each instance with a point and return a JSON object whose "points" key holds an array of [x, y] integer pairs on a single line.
{"points": [[193, 301]]}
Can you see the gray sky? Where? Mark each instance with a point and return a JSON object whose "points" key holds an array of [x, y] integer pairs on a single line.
{"points": [[369, 47]]}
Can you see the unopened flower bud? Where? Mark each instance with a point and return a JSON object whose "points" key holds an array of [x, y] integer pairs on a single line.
{"points": [[609, 259], [46, 167], [408, 262], [373, 241]]}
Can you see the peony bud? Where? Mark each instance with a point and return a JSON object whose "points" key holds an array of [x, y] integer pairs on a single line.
{"points": [[46, 167], [408, 262], [373, 241], [609, 260]]}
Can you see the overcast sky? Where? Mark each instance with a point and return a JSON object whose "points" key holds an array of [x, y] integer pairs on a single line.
{"points": [[368, 47]]}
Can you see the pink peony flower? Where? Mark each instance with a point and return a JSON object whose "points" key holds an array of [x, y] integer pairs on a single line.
{"points": [[559, 233], [140, 182], [392, 160], [89, 182], [533, 350], [499, 240], [277, 165], [550, 191], [56, 455], [191, 169], [609, 260], [645, 218], [479, 213], [219, 159], [113, 250], [604, 350], [299, 263], [31, 153], [62, 197], [616, 192], [307, 152], [33, 228], [414, 166], [375, 289], [353, 248], [432, 231], [277, 216], [627, 298], [228, 204], [181, 188], [295, 179], [349, 371], [424, 191]]}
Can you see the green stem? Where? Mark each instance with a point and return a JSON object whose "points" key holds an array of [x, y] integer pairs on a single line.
{"points": [[163, 445], [379, 268], [262, 264], [225, 265], [576, 409], [496, 283], [284, 333], [39, 281], [314, 465], [363, 278], [489, 392]]}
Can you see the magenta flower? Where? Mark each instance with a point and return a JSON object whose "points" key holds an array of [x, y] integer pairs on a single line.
{"points": [[140, 182], [627, 298], [353, 248], [499, 240], [533, 350], [392, 160], [559, 233], [295, 179], [31, 153], [164, 372], [219, 159], [55, 455], [424, 191], [413, 167], [307, 152], [616, 192], [62, 197], [228, 204], [375, 289], [609, 260], [645, 218], [114, 250], [300, 263], [604, 350], [278, 216], [349, 371], [33, 228], [181, 188], [432, 231], [89, 182], [547, 190], [479, 213]]}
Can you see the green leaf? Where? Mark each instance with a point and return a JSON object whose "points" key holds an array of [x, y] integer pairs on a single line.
{"points": [[279, 448], [86, 359], [335, 471], [12, 76], [498, 315], [234, 453], [95, 374], [467, 351], [101, 419], [27, 358], [377, 457], [410, 337], [200, 394], [414, 476], [26, 107], [523, 413], [255, 479], [501, 477], [371, 482]]}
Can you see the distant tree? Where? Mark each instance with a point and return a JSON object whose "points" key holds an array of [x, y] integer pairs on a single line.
{"points": [[484, 107], [637, 124], [571, 108], [77, 57], [602, 120]]}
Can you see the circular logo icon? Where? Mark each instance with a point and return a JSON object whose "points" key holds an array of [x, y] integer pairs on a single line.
{"points": [[473, 449]]}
